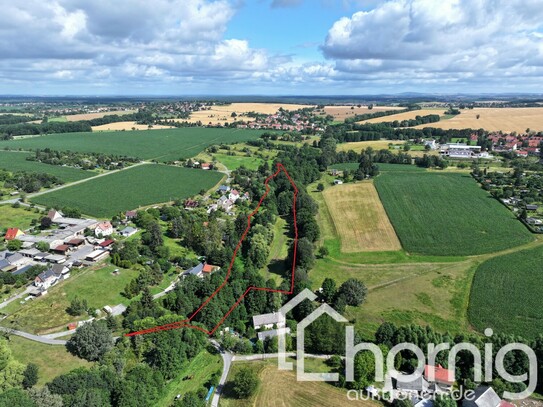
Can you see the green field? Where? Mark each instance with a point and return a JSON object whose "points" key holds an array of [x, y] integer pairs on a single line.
{"points": [[233, 162], [447, 214], [506, 294], [161, 145], [16, 217], [48, 314], [52, 360], [16, 161], [382, 167], [132, 188]]}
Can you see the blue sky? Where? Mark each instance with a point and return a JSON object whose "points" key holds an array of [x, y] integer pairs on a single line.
{"points": [[270, 47]]}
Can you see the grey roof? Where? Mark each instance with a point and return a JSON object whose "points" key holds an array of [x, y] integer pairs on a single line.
{"points": [[30, 252], [4, 263], [419, 384], [58, 268], [266, 319], [272, 333], [485, 396], [3, 254], [128, 230], [195, 270], [22, 270], [41, 255], [45, 275], [14, 257]]}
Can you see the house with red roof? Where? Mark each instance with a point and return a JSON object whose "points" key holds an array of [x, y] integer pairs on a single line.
{"points": [[438, 375], [103, 229], [234, 195], [13, 233], [209, 268]]}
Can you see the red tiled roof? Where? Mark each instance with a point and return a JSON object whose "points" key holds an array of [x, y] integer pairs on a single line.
{"points": [[208, 268], [11, 233], [107, 243], [440, 374]]}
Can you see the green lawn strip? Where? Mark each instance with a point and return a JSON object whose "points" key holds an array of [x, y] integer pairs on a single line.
{"points": [[52, 360], [233, 162], [135, 187], [162, 145], [275, 269]]}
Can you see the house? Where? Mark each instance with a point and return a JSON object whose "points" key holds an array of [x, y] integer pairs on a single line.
{"points": [[191, 204], [206, 166], [129, 215], [531, 207], [13, 233], [439, 378], [45, 279], [268, 321], [106, 243], [416, 386], [338, 182], [195, 271], [485, 396], [272, 333], [103, 229], [234, 195], [40, 256], [209, 268], [223, 189], [61, 271], [431, 144], [54, 215], [128, 231], [30, 253]]}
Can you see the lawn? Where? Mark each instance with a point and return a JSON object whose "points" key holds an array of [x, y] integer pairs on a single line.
{"points": [[275, 269], [233, 162], [506, 294], [48, 314], [53, 360], [447, 214], [280, 388], [16, 161], [162, 145], [360, 219], [16, 217], [202, 367], [131, 188]]}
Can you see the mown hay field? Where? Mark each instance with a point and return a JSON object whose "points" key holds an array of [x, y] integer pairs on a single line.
{"points": [[128, 126], [506, 294], [162, 145], [447, 214], [494, 119], [14, 161], [375, 144], [143, 185], [360, 219]]}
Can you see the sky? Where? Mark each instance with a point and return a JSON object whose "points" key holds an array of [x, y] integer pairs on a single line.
{"points": [[270, 47]]}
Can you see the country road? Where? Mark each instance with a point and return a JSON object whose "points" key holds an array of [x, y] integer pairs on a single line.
{"points": [[36, 338]]}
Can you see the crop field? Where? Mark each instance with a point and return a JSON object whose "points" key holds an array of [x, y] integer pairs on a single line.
{"points": [[16, 161], [162, 145], [131, 188], [406, 116], [375, 144], [495, 119], [128, 126], [447, 214], [360, 219], [341, 113], [506, 294]]}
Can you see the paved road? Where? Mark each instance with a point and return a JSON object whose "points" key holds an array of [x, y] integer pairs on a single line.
{"points": [[16, 297], [227, 363], [36, 338]]}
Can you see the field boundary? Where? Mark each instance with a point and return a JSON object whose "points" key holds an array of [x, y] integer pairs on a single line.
{"points": [[187, 322]]}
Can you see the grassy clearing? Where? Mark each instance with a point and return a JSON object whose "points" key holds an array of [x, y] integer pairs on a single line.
{"points": [[202, 367], [16, 161], [162, 145], [48, 314], [360, 219], [233, 162], [278, 252], [280, 388], [447, 214], [52, 360], [16, 217], [132, 188], [506, 294]]}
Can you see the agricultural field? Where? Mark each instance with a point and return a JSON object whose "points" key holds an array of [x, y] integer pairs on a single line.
{"points": [[52, 361], [128, 126], [340, 113], [132, 188], [16, 161], [280, 388], [161, 145], [48, 314], [222, 114], [495, 119], [407, 116], [506, 294], [360, 219], [447, 214], [375, 144], [233, 162], [20, 218]]}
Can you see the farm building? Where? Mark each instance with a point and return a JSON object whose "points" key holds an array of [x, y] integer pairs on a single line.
{"points": [[128, 231], [13, 233], [338, 182], [97, 255], [531, 207]]}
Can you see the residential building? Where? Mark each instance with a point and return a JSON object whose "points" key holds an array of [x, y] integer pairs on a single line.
{"points": [[13, 233], [268, 321], [128, 231], [103, 229], [485, 396]]}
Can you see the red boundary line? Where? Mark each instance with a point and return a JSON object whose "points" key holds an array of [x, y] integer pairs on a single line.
{"points": [[186, 322]]}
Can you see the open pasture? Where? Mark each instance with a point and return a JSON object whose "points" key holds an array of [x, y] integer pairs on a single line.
{"points": [[447, 214], [360, 219], [14, 161], [495, 119], [162, 145], [138, 186], [506, 294]]}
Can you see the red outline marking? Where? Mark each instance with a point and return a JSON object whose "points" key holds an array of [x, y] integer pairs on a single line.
{"points": [[186, 322]]}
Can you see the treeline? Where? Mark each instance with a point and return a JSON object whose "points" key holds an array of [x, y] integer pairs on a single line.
{"points": [[15, 119], [367, 116], [28, 181], [8, 131], [417, 121], [82, 160]]}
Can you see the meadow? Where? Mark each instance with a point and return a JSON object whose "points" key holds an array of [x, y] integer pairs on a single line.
{"points": [[160, 145], [506, 294], [16, 161], [16, 217], [447, 214], [494, 119], [360, 219], [134, 187]]}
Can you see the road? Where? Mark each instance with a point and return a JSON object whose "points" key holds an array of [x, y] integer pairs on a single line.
{"points": [[37, 338], [16, 297], [227, 363]]}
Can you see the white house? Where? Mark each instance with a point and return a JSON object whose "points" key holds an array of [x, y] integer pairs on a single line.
{"points": [[103, 229], [267, 321], [233, 195], [46, 279]]}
